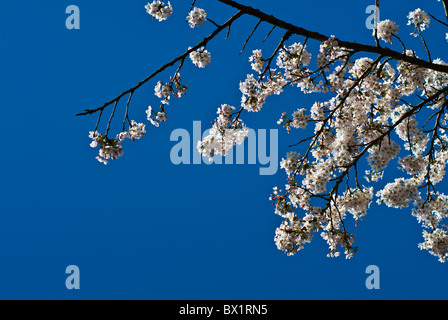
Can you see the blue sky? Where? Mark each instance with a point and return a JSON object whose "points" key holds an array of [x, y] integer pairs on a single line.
{"points": [[141, 227]]}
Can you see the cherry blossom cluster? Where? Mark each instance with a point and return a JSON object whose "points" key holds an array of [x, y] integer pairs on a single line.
{"points": [[431, 213], [419, 19], [158, 10], [299, 120], [111, 148], [256, 91], [436, 243], [174, 87], [196, 17], [201, 57], [164, 91], [367, 106], [155, 117], [385, 30], [257, 61], [225, 133], [294, 61], [329, 51]]}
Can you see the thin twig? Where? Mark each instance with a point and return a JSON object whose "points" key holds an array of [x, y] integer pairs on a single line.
{"points": [[165, 66], [126, 116], [110, 119], [269, 33], [445, 24], [424, 43], [251, 34]]}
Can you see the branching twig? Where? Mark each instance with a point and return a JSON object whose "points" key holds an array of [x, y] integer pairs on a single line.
{"points": [[386, 52], [165, 66], [269, 33], [251, 34]]}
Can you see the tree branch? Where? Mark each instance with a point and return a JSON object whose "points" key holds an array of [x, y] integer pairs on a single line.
{"points": [[386, 52], [165, 66], [445, 6]]}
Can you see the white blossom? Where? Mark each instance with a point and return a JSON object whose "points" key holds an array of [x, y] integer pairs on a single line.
{"points": [[385, 30], [136, 130], [436, 242], [419, 18], [158, 10], [201, 57], [256, 59], [109, 148], [196, 17], [224, 134], [399, 194]]}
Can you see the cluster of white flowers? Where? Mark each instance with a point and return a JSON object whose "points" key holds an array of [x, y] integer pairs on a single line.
{"points": [[292, 57], [411, 77], [136, 130], [381, 155], [436, 243], [155, 117], [385, 30], [355, 122], [291, 236], [201, 57], [299, 120], [356, 201], [196, 17], [336, 238], [329, 51], [257, 62], [290, 164], [158, 10], [255, 91], [111, 148], [420, 19], [399, 194], [165, 90], [360, 67], [224, 134], [162, 90], [294, 60], [431, 213], [413, 164]]}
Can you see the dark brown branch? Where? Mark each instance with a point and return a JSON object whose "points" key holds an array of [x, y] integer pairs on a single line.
{"points": [[377, 8], [250, 36], [445, 6], [444, 23], [424, 44], [192, 5], [111, 116], [165, 66], [126, 115], [386, 52]]}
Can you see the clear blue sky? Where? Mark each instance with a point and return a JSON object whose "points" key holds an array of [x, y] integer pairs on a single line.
{"points": [[141, 227]]}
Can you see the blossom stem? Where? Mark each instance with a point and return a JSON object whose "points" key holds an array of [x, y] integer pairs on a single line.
{"points": [[165, 66]]}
